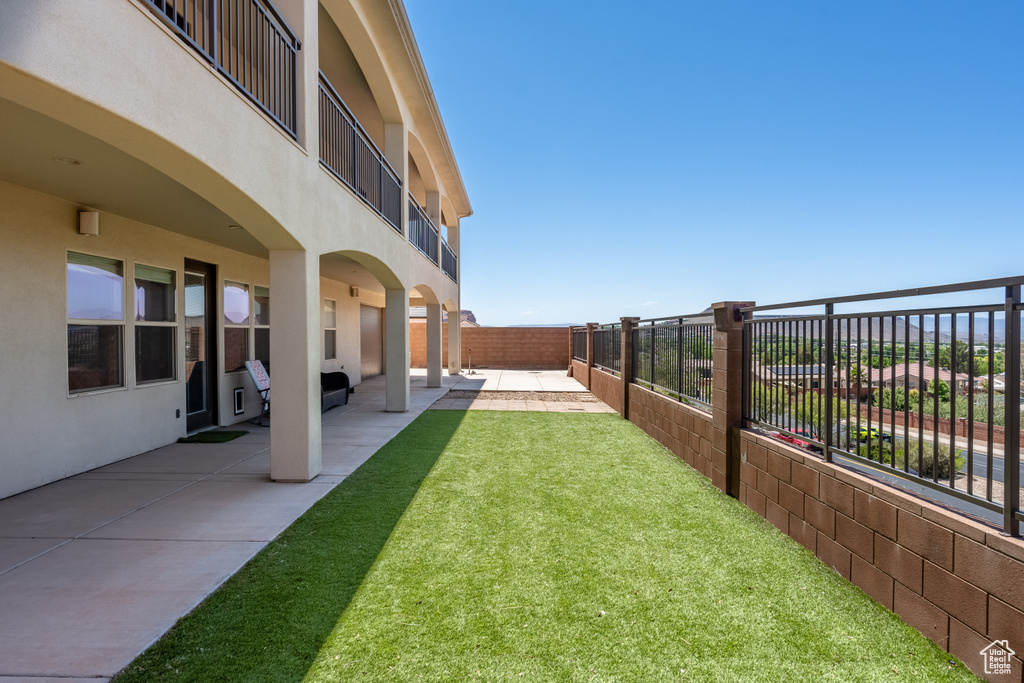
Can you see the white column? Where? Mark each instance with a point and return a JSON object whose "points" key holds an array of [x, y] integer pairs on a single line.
{"points": [[454, 342], [433, 345], [295, 359], [455, 321], [396, 350]]}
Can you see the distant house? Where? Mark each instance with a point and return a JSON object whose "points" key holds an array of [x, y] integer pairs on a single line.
{"points": [[910, 376]]}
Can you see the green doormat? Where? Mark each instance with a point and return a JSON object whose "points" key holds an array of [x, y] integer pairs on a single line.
{"points": [[212, 437]]}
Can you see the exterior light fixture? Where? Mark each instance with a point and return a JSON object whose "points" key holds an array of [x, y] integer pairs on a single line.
{"points": [[67, 161], [89, 223]]}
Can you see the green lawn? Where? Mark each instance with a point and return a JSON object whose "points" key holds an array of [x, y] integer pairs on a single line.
{"points": [[503, 546]]}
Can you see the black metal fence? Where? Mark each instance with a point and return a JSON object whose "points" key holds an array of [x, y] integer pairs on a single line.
{"points": [[930, 394], [422, 232], [673, 356], [349, 153], [579, 343], [245, 40], [608, 348], [449, 262]]}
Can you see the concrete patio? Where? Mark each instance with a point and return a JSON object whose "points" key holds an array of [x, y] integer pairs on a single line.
{"points": [[96, 567]]}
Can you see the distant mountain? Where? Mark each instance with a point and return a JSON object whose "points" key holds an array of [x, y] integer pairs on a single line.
{"points": [[884, 324]]}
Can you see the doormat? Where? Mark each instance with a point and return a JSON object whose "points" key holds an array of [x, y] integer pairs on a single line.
{"points": [[212, 437]]}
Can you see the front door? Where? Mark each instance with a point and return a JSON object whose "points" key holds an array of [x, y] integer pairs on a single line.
{"points": [[200, 345]]}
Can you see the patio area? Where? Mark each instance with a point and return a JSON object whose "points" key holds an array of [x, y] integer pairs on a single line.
{"points": [[96, 567]]}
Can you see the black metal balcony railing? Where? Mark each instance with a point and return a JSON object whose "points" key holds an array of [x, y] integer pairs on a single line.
{"points": [[673, 356], [579, 344], [930, 395], [449, 262], [608, 348], [349, 153], [248, 42], [422, 232]]}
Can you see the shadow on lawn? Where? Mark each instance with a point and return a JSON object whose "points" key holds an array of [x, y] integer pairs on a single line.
{"points": [[269, 621]]}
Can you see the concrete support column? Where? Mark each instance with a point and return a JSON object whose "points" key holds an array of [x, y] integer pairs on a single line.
{"points": [[434, 366], [727, 396], [455, 317], [626, 362], [396, 350], [396, 149], [295, 358], [454, 342]]}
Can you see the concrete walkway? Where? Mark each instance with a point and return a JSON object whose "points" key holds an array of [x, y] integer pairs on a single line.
{"points": [[95, 568], [520, 380]]}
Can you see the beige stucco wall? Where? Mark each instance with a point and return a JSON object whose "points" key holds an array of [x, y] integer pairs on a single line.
{"points": [[47, 434], [112, 71]]}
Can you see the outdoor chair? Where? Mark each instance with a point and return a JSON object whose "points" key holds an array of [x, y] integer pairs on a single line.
{"points": [[334, 390], [262, 381]]}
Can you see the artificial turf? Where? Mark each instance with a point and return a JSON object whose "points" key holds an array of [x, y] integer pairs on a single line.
{"points": [[506, 546]]}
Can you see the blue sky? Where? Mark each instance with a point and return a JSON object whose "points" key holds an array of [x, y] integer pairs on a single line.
{"points": [[648, 158]]}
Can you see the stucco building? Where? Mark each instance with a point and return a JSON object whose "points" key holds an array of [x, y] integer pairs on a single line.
{"points": [[188, 184]]}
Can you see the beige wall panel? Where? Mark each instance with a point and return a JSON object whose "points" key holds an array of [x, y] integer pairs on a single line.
{"points": [[48, 435]]}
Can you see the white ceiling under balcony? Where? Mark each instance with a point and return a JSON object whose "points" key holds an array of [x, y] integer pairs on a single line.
{"points": [[107, 179]]}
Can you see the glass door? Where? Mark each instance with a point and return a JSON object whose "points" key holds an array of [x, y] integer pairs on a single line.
{"points": [[200, 346]]}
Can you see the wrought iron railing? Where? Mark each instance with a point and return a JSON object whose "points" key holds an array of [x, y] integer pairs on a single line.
{"points": [[579, 344], [449, 262], [422, 232], [350, 155], [673, 356], [248, 42], [915, 393], [608, 348]]}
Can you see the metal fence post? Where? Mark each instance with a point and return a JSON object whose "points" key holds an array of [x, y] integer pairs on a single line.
{"points": [[830, 364], [626, 373], [1011, 404]]}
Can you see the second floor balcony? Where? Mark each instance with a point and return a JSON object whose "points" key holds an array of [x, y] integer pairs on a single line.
{"points": [[246, 41]]}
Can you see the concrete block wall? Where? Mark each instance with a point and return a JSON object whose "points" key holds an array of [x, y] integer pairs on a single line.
{"points": [[606, 387], [684, 430], [522, 348], [581, 373], [957, 581]]}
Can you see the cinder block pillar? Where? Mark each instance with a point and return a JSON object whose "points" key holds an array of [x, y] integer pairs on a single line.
{"points": [[295, 356], [433, 345], [396, 350], [626, 361], [727, 396], [590, 350]]}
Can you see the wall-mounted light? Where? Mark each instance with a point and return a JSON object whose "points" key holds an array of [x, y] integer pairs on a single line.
{"points": [[89, 223], [354, 291]]}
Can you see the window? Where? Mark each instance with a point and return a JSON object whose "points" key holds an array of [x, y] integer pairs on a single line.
{"points": [[95, 323], [155, 324], [236, 326], [262, 316], [330, 329]]}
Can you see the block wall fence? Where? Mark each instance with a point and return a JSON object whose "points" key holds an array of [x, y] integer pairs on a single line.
{"points": [[512, 348], [956, 580]]}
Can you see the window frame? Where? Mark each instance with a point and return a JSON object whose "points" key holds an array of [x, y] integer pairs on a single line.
{"points": [[247, 326], [333, 349], [96, 322], [256, 325], [175, 324]]}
